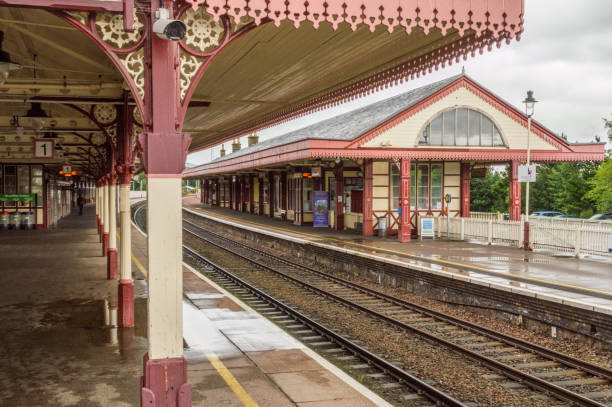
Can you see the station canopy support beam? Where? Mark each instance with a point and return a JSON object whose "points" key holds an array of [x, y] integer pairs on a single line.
{"points": [[405, 230]]}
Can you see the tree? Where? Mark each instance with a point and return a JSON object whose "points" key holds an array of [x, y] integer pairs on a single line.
{"points": [[601, 192], [490, 194]]}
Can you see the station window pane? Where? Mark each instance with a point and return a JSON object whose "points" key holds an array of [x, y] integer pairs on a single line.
{"points": [[474, 128], [462, 127], [23, 179], [435, 135], [486, 137], [425, 136], [423, 186], [448, 138], [395, 186], [436, 186], [497, 140], [413, 185]]}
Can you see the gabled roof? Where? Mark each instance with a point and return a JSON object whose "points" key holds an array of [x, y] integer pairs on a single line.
{"points": [[343, 136], [349, 126]]}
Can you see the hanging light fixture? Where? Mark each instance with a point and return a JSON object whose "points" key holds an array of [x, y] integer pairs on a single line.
{"points": [[6, 65], [36, 116]]}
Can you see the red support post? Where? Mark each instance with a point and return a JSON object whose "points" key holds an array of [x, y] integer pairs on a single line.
{"points": [[465, 189], [231, 192], [104, 235], [339, 197], [515, 192], [243, 195], [164, 150], [271, 193], [251, 194], [283, 195], [368, 177], [111, 253], [261, 196], [405, 231]]}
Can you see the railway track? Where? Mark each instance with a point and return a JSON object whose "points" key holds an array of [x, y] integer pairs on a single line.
{"points": [[541, 369], [398, 384]]}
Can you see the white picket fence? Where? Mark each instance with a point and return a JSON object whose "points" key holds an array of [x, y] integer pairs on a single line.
{"points": [[573, 237]]}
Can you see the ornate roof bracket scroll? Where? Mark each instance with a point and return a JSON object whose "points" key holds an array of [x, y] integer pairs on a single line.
{"points": [[105, 118], [123, 47], [206, 37]]}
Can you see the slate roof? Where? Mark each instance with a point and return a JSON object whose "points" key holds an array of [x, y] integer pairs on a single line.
{"points": [[351, 125]]}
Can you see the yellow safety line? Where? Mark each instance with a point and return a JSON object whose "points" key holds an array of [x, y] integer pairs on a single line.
{"points": [[135, 260], [223, 371], [426, 259], [140, 267], [229, 378]]}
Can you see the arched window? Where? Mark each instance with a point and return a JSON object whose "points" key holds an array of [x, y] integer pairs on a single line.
{"points": [[461, 127]]}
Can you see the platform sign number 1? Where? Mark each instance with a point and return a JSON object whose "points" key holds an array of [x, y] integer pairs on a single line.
{"points": [[44, 148]]}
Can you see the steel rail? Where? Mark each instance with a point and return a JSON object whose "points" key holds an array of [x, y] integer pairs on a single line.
{"points": [[411, 381], [593, 369], [513, 373]]}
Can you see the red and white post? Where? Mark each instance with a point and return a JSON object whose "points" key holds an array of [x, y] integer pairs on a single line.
{"points": [[105, 215], [164, 150], [368, 178], [515, 192], [111, 264], [465, 189], [126, 283], [405, 230]]}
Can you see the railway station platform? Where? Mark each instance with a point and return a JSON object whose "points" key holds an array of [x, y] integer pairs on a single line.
{"points": [[583, 283], [60, 344]]}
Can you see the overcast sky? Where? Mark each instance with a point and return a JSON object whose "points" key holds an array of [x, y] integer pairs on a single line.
{"points": [[564, 56]]}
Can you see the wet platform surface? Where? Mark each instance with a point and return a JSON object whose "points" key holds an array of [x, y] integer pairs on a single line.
{"points": [[580, 280], [57, 348]]}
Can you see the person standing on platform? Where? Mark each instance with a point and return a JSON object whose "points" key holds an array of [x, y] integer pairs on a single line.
{"points": [[80, 203]]}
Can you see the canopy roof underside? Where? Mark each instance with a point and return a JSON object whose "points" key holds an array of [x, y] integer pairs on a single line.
{"points": [[268, 75]]}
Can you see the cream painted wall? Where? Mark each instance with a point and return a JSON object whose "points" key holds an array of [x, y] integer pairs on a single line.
{"points": [[380, 189], [406, 134]]}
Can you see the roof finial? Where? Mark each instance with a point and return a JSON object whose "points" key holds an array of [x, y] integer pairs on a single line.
{"points": [[463, 70]]}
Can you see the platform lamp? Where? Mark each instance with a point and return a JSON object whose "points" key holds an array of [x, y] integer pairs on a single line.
{"points": [[529, 108]]}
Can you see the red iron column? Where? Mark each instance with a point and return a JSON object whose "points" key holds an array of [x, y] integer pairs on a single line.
{"points": [[251, 194], [111, 263], [368, 177], [405, 231], [339, 197], [164, 149], [465, 189], [105, 215], [283, 195], [261, 196], [271, 193], [515, 192]]}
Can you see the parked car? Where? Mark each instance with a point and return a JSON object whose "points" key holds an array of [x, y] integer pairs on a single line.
{"points": [[602, 216], [548, 214], [565, 216]]}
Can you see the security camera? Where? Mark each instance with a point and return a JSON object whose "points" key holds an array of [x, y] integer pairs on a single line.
{"points": [[167, 29]]}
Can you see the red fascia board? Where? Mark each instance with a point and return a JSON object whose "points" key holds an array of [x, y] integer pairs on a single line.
{"points": [[276, 155], [88, 5]]}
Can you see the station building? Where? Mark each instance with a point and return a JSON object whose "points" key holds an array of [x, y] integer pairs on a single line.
{"points": [[355, 170]]}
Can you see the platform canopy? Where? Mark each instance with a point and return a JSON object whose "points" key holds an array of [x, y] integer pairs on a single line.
{"points": [[259, 65]]}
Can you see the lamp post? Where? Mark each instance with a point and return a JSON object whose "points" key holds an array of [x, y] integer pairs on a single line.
{"points": [[529, 107]]}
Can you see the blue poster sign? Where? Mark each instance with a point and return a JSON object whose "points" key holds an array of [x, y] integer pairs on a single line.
{"points": [[321, 209]]}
